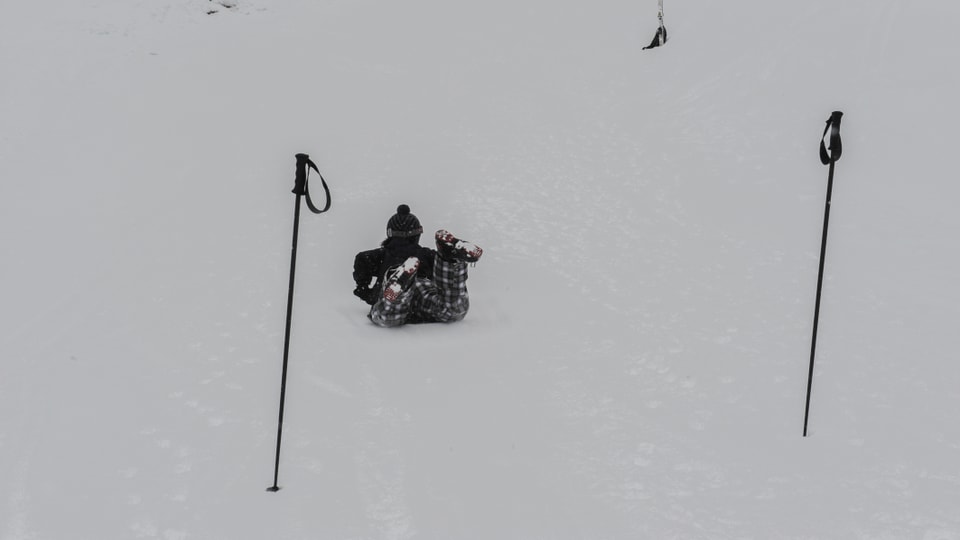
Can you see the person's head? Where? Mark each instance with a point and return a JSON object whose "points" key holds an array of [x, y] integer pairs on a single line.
{"points": [[405, 225]]}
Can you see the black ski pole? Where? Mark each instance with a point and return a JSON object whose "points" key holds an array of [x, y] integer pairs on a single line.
{"points": [[300, 189], [836, 148]]}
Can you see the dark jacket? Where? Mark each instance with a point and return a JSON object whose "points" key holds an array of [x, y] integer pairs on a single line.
{"points": [[374, 263]]}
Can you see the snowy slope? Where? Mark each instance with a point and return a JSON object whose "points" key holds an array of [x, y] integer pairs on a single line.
{"points": [[635, 361]]}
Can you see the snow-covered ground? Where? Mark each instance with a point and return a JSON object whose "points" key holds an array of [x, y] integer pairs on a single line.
{"points": [[635, 361]]}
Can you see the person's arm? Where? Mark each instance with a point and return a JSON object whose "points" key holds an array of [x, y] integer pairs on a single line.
{"points": [[365, 266]]}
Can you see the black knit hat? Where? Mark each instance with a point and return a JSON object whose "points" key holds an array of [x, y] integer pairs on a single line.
{"points": [[403, 224]]}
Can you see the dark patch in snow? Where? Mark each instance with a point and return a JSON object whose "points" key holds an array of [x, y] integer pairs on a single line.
{"points": [[229, 4]]}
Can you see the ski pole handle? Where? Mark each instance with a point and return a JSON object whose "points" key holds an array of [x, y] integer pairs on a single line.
{"points": [[300, 182], [836, 145]]}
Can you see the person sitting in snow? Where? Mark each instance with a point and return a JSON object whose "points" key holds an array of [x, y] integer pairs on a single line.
{"points": [[414, 284]]}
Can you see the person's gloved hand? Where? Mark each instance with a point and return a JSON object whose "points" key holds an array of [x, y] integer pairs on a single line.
{"points": [[364, 293]]}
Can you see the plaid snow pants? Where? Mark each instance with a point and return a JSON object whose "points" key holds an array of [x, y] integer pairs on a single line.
{"points": [[443, 298]]}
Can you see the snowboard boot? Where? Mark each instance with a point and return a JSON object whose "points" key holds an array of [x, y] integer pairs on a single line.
{"points": [[398, 279], [452, 248]]}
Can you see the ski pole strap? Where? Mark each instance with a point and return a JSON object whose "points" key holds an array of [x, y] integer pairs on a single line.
{"points": [[326, 192], [302, 184], [836, 146]]}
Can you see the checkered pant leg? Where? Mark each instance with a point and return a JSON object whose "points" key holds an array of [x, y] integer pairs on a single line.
{"points": [[442, 299], [388, 314], [445, 299]]}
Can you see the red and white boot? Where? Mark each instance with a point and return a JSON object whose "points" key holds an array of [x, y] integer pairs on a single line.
{"points": [[398, 279], [452, 248]]}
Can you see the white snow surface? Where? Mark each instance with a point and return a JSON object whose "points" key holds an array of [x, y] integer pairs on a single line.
{"points": [[635, 361]]}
